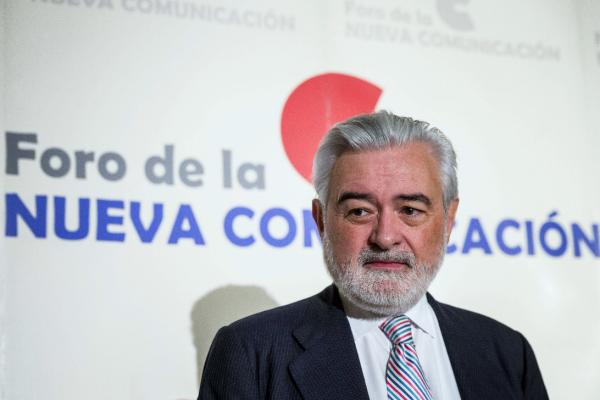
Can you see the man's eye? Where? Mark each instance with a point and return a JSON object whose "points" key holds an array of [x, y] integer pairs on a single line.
{"points": [[358, 212], [410, 211]]}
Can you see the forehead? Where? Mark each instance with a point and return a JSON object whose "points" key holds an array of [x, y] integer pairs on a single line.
{"points": [[399, 169]]}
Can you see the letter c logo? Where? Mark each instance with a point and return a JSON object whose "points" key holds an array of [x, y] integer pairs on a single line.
{"points": [[458, 20]]}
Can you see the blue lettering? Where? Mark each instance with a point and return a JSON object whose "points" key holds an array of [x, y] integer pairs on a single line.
{"points": [[228, 226], [185, 214], [105, 220], [310, 228], [146, 235], [451, 247], [36, 223], [60, 219], [510, 250], [546, 228], [592, 243], [264, 227], [530, 242], [475, 238]]}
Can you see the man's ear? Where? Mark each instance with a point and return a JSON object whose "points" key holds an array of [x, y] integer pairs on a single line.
{"points": [[452, 207], [317, 213]]}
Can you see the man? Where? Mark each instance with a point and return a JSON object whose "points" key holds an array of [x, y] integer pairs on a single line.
{"points": [[387, 198]]}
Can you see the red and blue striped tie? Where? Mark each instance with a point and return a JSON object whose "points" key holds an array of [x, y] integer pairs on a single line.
{"points": [[404, 376]]}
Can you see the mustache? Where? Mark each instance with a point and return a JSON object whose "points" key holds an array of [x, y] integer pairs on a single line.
{"points": [[395, 256]]}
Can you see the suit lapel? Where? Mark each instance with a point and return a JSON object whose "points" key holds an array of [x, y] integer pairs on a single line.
{"points": [[478, 372], [457, 346], [329, 367]]}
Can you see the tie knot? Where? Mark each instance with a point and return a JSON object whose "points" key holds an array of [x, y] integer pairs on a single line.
{"points": [[397, 329]]}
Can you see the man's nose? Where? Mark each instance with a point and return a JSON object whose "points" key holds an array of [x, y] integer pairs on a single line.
{"points": [[387, 231]]}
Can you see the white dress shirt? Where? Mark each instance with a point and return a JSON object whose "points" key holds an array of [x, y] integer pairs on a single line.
{"points": [[374, 347]]}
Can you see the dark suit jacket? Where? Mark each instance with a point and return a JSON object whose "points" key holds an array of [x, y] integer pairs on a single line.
{"points": [[305, 350]]}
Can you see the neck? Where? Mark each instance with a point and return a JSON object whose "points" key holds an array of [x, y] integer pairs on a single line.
{"points": [[355, 311]]}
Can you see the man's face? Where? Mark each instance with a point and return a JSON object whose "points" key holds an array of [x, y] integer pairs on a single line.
{"points": [[384, 229]]}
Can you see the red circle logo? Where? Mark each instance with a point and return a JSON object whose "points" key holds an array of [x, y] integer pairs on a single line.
{"points": [[317, 104]]}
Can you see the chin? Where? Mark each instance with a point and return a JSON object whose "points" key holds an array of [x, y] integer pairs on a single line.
{"points": [[382, 292], [381, 298]]}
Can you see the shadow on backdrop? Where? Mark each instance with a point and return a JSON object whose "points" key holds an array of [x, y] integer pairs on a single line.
{"points": [[221, 307]]}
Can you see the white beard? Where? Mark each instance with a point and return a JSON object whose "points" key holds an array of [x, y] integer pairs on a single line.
{"points": [[380, 293]]}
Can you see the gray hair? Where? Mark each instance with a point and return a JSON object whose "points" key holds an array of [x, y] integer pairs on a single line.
{"points": [[378, 131]]}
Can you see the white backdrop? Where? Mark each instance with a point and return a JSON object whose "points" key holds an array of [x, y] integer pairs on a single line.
{"points": [[89, 309]]}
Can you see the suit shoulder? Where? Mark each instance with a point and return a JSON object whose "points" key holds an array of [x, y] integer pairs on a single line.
{"points": [[285, 317], [251, 353], [483, 349], [483, 325]]}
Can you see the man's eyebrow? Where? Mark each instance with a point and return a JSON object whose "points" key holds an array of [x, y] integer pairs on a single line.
{"points": [[420, 197], [354, 196]]}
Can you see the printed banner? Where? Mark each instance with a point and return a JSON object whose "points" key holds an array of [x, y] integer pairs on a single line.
{"points": [[157, 157]]}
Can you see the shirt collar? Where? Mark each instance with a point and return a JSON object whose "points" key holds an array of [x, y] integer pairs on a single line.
{"points": [[421, 316]]}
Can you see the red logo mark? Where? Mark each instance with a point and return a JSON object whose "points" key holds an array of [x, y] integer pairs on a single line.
{"points": [[316, 105]]}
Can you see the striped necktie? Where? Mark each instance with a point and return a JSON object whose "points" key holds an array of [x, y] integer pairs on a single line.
{"points": [[404, 376]]}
